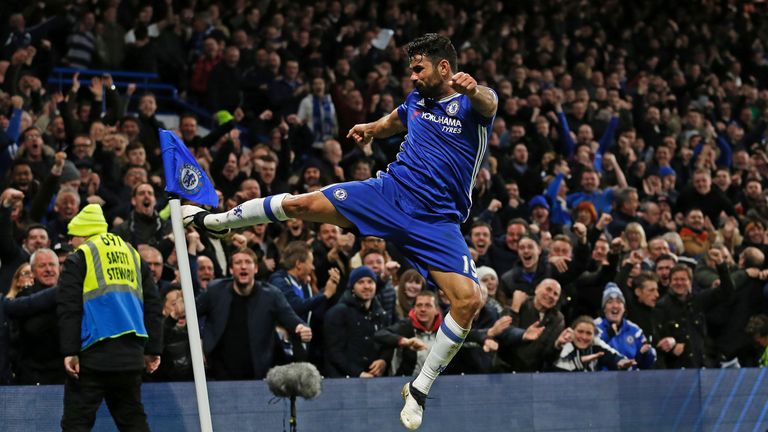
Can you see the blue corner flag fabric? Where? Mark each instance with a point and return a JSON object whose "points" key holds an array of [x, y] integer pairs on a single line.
{"points": [[183, 175]]}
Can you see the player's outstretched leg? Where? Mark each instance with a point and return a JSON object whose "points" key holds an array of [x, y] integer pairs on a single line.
{"points": [[251, 212], [465, 299], [312, 207]]}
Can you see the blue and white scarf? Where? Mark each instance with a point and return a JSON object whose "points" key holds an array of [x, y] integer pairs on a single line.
{"points": [[322, 118]]}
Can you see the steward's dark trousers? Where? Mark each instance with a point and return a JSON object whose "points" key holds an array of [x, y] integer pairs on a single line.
{"points": [[120, 389]]}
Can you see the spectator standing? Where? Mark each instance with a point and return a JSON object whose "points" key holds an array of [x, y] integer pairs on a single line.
{"points": [[82, 42], [38, 361], [681, 322], [225, 82], [240, 318], [350, 325], [294, 281], [317, 111], [109, 336]]}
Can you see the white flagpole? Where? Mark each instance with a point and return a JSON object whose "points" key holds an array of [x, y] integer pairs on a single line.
{"points": [[203, 407]]}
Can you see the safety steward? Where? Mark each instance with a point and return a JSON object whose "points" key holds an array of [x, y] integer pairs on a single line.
{"points": [[110, 325]]}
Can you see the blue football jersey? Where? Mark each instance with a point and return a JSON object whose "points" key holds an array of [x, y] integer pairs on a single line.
{"points": [[442, 152]]}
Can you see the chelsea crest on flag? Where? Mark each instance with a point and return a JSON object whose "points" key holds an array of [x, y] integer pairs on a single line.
{"points": [[183, 175]]}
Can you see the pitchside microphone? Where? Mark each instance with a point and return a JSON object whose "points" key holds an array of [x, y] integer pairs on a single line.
{"points": [[292, 380], [295, 379]]}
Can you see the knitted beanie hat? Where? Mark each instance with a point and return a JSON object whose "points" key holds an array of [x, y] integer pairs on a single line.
{"points": [[359, 273], [89, 222], [612, 291]]}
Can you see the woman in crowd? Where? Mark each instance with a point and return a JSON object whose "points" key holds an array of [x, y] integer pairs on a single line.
{"points": [[582, 351], [411, 284]]}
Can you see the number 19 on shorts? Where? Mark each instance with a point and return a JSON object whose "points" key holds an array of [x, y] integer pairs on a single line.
{"points": [[469, 264]]}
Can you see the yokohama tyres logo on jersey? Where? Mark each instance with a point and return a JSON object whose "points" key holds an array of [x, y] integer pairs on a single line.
{"points": [[450, 125], [445, 121]]}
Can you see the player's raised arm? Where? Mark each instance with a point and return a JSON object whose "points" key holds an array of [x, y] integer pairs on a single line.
{"points": [[384, 127], [482, 98]]}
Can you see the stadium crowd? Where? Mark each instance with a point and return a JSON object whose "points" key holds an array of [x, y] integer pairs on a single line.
{"points": [[622, 206]]}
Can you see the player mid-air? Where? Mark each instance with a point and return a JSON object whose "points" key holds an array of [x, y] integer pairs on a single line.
{"points": [[418, 203]]}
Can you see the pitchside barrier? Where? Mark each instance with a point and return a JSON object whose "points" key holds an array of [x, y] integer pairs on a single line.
{"points": [[673, 400]]}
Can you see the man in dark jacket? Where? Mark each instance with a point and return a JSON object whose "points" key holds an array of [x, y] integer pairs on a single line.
{"points": [[527, 272], [224, 82], [350, 349], [701, 195], [727, 323], [532, 356], [681, 323], [18, 308], [641, 306], [149, 126], [38, 361], [241, 315], [143, 225], [110, 325]]}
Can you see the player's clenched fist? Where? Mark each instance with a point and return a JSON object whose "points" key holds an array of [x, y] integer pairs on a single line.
{"points": [[360, 133], [464, 84]]}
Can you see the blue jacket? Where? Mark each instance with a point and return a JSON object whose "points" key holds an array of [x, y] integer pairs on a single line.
{"points": [[299, 296], [627, 341], [602, 200]]}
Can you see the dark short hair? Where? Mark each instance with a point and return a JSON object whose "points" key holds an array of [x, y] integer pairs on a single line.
{"points": [[752, 180], [757, 326], [682, 268], [136, 188], [372, 251], [644, 277], [622, 196], [129, 118], [187, 115], [34, 226], [665, 257], [518, 221], [294, 253], [435, 47], [135, 145], [480, 223], [24, 133], [20, 162]]}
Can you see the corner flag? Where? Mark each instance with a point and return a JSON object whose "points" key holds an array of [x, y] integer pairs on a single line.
{"points": [[183, 175]]}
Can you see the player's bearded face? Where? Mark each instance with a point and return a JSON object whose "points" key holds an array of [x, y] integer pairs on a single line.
{"points": [[425, 76]]}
